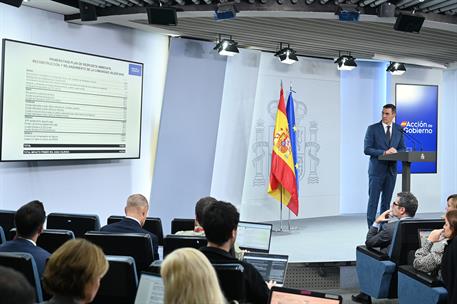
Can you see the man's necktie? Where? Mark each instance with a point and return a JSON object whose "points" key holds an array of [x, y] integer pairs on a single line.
{"points": [[388, 134]]}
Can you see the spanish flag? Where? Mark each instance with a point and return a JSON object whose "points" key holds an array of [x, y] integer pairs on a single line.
{"points": [[283, 182]]}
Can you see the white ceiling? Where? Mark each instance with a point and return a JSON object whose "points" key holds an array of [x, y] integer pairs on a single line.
{"points": [[314, 32]]}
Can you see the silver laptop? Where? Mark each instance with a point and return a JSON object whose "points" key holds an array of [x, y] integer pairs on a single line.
{"points": [[254, 236], [272, 267], [150, 290]]}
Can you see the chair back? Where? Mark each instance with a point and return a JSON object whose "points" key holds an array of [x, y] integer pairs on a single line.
{"points": [[25, 264], [152, 224], [2, 236], [405, 238], [136, 245], [7, 221], [172, 242], [120, 283], [181, 224], [78, 223], [51, 239], [231, 281]]}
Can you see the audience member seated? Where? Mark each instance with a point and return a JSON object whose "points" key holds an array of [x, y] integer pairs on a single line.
{"points": [[29, 221], [199, 208], [220, 224], [449, 261], [428, 257], [189, 278], [136, 213], [198, 229], [381, 233], [74, 271], [14, 287]]}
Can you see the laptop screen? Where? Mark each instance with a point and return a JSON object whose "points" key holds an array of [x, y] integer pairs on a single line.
{"points": [[254, 236], [150, 290], [270, 266], [281, 295]]}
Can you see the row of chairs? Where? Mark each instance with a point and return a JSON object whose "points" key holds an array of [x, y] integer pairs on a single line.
{"points": [[79, 224], [118, 286], [391, 275]]}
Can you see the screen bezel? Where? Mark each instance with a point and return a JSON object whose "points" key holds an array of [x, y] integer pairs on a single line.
{"points": [[269, 241], [4, 41]]}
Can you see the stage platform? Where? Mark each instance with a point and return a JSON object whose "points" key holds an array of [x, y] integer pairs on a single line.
{"points": [[325, 239]]}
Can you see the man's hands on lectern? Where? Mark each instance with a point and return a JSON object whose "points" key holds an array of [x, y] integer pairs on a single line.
{"points": [[391, 150]]}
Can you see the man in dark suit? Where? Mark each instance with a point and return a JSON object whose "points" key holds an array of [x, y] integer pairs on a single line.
{"points": [[136, 213], [29, 221], [221, 224], [382, 138], [381, 233]]}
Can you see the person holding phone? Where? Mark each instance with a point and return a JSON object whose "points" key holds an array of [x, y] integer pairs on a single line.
{"points": [[428, 258]]}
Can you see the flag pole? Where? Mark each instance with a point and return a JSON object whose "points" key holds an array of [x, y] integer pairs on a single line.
{"points": [[280, 212]]}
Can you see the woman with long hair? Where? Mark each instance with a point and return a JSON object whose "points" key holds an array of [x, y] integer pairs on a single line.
{"points": [[428, 257]]}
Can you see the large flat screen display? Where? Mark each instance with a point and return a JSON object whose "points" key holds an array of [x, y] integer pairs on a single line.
{"points": [[417, 114], [61, 105]]}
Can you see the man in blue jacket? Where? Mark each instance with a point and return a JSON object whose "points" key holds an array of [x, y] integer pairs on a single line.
{"points": [[136, 213], [382, 138], [29, 221]]}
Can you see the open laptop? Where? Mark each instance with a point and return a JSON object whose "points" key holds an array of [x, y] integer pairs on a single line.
{"points": [[281, 295], [423, 234], [254, 237], [150, 290], [270, 266]]}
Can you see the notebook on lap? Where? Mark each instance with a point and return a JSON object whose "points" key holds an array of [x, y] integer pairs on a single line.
{"points": [[254, 236], [280, 295], [150, 290], [272, 267]]}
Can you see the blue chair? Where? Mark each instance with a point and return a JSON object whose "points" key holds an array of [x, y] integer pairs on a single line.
{"points": [[7, 221], [415, 286], [120, 283], [182, 224], [25, 264], [172, 242], [2, 236], [232, 281], [51, 239], [78, 223], [136, 245], [377, 271]]}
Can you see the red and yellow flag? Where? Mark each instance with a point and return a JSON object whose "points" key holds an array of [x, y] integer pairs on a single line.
{"points": [[283, 186]]}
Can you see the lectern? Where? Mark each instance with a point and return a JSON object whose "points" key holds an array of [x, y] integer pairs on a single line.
{"points": [[407, 158]]}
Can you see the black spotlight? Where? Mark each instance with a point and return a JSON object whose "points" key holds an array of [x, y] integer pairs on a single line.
{"points": [[286, 55], [396, 68], [162, 15], [346, 63], [87, 11], [15, 3], [409, 23], [227, 47]]}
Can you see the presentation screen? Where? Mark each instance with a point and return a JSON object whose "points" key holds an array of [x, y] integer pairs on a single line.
{"points": [[417, 114], [61, 105]]}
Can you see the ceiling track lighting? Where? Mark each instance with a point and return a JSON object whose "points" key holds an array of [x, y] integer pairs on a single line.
{"points": [[345, 62], [286, 55], [396, 68], [226, 47]]}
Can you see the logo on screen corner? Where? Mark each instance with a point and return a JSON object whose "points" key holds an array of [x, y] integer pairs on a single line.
{"points": [[135, 69], [417, 127]]}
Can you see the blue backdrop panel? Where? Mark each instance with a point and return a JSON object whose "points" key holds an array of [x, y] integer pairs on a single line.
{"points": [[417, 113]]}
